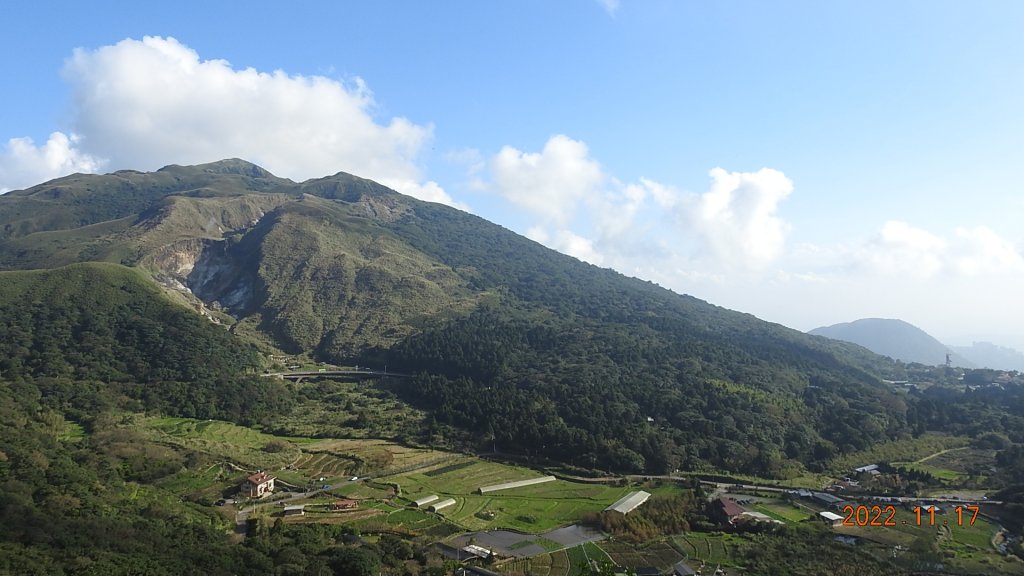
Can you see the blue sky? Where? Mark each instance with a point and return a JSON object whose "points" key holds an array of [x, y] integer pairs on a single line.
{"points": [[807, 162]]}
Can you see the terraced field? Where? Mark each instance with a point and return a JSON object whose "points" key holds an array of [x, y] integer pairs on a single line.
{"points": [[238, 444], [325, 464], [298, 461], [658, 554], [380, 457], [711, 549]]}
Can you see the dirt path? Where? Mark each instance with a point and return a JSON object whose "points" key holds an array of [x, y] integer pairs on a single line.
{"points": [[939, 453]]}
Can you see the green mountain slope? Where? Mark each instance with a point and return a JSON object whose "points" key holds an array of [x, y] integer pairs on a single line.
{"points": [[98, 325], [532, 350]]}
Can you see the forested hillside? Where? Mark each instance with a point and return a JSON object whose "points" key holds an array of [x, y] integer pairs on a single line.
{"points": [[535, 349], [108, 328], [168, 302]]}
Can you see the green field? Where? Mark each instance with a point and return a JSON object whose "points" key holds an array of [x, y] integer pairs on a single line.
{"points": [[532, 509], [780, 510], [661, 554], [295, 460], [906, 450], [953, 466], [965, 548], [711, 548]]}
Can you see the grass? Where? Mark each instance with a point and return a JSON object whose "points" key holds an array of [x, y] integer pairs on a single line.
{"points": [[712, 548], [462, 477], [965, 548], [906, 450], [73, 432], [946, 475], [953, 466], [532, 509], [298, 461], [238, 444], [358, 410]]}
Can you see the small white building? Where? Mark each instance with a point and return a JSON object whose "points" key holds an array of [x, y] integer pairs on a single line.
{"points": [[297, 510], [831, 518]]}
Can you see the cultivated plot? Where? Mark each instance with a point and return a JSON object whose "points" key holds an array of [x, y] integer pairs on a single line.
{"points": [[534, 509]]}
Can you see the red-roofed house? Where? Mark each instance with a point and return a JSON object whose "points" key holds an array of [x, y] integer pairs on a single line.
{"points": [[260, 484], [345, 505], [726, 511]]}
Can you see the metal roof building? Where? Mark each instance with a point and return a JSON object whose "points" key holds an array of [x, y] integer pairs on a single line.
{"points": [[442, 504], [297, 510], [424, 501], [831, 518], [629, 502], [517, 484]]}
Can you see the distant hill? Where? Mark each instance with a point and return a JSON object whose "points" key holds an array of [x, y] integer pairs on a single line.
{"points": [[989, 355], [894, 338]]}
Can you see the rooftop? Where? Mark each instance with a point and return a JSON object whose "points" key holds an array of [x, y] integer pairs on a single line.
{"points": [[629, 502], [730, 508], [260, 478]]}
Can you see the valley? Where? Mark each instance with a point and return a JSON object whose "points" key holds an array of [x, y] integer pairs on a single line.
{"points": [[378, 484]]}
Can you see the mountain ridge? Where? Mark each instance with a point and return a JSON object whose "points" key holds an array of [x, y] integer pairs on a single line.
{"points": [[576, 359]]}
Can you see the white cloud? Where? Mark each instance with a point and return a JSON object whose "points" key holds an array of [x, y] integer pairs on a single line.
{"points": [[900, 249], [550, 183], [981, 250], [566, 188], [430, 191], [610, 6], [736, 217], [567, 242], [144, 104], [23, 164]]}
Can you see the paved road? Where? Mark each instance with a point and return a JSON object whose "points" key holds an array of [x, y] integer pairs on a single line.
{"points": [[776, 488]]}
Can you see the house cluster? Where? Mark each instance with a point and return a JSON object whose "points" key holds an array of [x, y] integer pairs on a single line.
{"points": [[823, 499]]}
